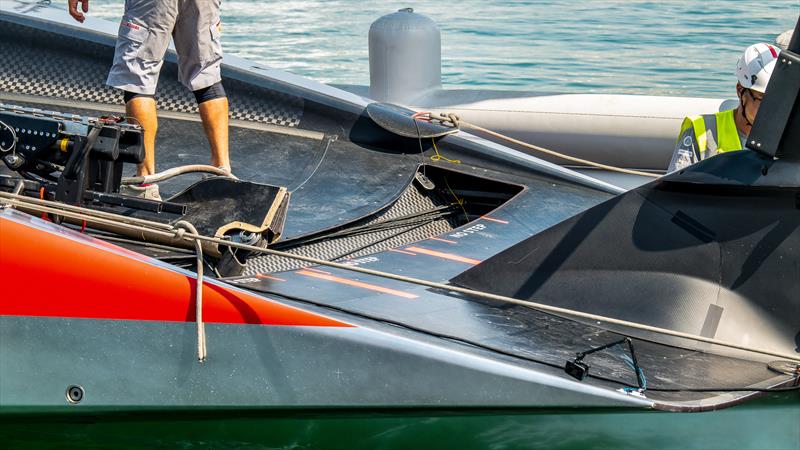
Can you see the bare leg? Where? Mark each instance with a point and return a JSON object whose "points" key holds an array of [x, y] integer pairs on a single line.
{"points": [[143, 109], [214, 114]]}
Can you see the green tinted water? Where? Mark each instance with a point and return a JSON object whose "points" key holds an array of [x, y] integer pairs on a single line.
{"points": [[769, 423]]}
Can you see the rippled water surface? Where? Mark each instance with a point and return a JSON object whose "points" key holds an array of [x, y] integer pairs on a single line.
{"points": [[668, 47]]}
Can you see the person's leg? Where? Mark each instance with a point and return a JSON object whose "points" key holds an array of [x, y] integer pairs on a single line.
{"points": [[214, 114], [197, 42], [142, 41], [143, 110]]}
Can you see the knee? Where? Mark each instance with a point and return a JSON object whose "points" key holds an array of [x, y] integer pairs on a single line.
{"points": [[212, 92], [128, 96]]}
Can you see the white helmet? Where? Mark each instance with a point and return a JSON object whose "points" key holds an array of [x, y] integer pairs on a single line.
{"points": [[756, 65]]}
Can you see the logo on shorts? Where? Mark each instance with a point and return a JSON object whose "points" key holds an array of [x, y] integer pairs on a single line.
{"points": [[131, 25]]}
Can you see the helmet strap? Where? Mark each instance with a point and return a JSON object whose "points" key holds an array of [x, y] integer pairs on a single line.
{"points": [[743, 106]]}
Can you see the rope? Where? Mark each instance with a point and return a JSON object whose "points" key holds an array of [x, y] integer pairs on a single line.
{"points": [[459, 201], [174, 172], [16, 200], [330, 140], [181, 227], [452, 120], [438, 156], [422, 217]]}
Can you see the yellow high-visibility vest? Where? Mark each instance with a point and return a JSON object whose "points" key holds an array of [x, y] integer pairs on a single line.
{"points": [[715, 133]]}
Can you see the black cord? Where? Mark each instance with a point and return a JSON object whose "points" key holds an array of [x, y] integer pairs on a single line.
{"points": [[372, 244], [634, 362], [402, 221]]}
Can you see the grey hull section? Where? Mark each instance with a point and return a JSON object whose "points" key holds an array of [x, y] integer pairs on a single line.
{"points": [[152, 365]]}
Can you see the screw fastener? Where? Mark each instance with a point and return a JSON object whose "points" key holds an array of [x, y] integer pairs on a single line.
{"points": [[74, 394]]}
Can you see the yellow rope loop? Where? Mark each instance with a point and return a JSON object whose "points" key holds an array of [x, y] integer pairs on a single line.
{"points": [[438, 156]]}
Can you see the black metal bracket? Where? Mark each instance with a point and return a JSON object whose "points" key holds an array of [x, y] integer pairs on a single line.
{"points": [[580, 370]]}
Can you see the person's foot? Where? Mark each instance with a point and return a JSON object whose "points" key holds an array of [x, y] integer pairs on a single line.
{"points": [[146, 191]]}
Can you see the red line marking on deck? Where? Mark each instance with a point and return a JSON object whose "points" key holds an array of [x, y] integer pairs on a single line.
{"points": [[504, 222], [355, 283], [316, 270], [402, 251], [443, 255], [269, 277], [443, 240]]}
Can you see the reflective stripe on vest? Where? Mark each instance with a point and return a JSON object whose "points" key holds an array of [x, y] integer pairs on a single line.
{"points": [[722, 129]]}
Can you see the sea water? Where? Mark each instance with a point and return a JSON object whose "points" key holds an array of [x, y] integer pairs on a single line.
{"points": [[668, 47]]}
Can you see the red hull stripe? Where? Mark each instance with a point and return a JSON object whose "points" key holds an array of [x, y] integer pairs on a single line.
{"points": [[49, 275], [491, 219], [355, 283], [443, 255]]}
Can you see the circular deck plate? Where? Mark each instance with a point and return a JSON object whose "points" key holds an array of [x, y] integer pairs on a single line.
{"points": [[397, 120], [787, 367]]}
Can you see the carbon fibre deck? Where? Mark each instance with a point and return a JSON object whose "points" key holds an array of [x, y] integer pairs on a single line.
{"points": [[411, 202]]}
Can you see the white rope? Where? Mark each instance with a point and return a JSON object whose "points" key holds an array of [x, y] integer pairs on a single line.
{"points": [[14, 200], [452, 120], [174, 172], [182, 227]]}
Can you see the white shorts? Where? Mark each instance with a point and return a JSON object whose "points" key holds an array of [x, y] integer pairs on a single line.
{"points": [[143, 39]]}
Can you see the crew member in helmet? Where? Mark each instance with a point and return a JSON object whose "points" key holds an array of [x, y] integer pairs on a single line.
{"points": [[707, 135], [144, 35]]}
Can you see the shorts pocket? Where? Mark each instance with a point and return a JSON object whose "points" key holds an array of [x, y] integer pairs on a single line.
{"points": [[135, 34], [130, 39], [138, 42], [214, 50]]}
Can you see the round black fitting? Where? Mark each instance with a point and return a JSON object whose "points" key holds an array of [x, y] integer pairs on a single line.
{"points": [[74, 394]]}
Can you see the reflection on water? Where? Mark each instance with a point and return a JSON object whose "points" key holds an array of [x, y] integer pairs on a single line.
{"points": [[684, 48]]}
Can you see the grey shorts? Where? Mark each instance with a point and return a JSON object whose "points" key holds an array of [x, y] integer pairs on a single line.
{"points": [[143, 39]]}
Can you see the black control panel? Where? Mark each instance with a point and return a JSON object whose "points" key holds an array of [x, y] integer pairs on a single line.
{"points": [[77, 153]]}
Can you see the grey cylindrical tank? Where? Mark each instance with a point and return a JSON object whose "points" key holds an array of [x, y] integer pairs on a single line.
{"points": [[405, 57]]}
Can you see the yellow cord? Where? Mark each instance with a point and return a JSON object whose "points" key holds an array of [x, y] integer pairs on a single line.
{"points": [[439, 157], [460, 201]]}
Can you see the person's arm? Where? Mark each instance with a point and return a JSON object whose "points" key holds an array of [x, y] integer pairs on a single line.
{"points": [[73, 9], [686, 151]]}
